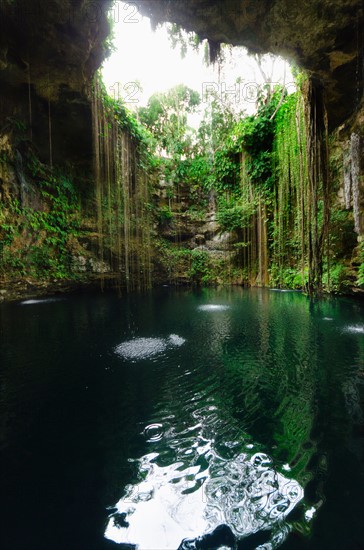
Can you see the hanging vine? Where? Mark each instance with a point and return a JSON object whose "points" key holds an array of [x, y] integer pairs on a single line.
{"points": [[286, 170], [318, 196], [121, 194], [290, 236]]}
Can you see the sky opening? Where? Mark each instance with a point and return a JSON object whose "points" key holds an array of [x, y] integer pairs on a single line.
{"points": [[144, 63]]}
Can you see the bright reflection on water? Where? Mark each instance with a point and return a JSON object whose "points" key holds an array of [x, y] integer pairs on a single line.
{"points": [[178, 501], [213, 307], [356, 329], [40, 301], [142, 348], [150, 419]]}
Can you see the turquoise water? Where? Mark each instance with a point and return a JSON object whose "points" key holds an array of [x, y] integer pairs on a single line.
{"points": [[147, 419]]}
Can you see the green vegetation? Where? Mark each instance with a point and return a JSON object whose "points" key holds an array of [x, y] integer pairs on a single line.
{"points": [[361, 267], [38, 242], [275, 207], [287, 229], [201, 269], [166, 118]]}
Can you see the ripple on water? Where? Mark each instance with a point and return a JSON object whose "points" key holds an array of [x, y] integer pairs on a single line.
{"points": [[144, 348], [154, 432], [179, 500], [249, 495], [282, 290]]}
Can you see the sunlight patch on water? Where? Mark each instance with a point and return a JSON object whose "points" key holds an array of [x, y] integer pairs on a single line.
{"points": [[176, 340], [309, 514], [248, 494], [174, 502], [355, 329], [213, 307], [158, 514], [144, 348], [40, 301], [141, 348]]}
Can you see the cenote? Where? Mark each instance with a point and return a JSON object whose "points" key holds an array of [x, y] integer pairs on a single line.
{"points": [[140, 421], [181, 275]]}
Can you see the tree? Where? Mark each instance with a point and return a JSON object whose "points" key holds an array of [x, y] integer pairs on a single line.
{"points": [[166, 116]]}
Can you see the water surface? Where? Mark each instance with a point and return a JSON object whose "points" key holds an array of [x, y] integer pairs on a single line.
{"points": [[147, 419]]}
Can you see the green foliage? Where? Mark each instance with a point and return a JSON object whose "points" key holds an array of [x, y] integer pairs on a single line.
{"points": [[197, 213], [233, 215], [185, 40], [360, 281], [343, 238], [125, 119], [287, 277], [217, 143], [196, 171], [255, 134], [226, 171], [217, 126], [341, 278], [38, 242], [201, 268], [174, 261], [164, 215], [166, 118], [259, 169]]}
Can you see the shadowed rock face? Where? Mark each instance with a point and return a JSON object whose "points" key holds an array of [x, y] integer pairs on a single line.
{"points": [[49, 51], [323, 36], [52, 43]]}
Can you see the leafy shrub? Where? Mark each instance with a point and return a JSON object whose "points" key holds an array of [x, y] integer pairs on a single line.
{"points": [[165, 215], [233, 216], [360, 280], [201, 269], [340, 278]]}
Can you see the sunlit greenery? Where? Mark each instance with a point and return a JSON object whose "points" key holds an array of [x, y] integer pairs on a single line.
{"points": [[251, 174]]}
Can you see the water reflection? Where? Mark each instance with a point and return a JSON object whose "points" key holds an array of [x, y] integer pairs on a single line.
{"points": [[355, 329], [246, 375], [201, 489], [213, 307], [40, 301], [261, 395]]}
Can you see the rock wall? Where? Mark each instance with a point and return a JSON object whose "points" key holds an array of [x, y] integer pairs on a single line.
{"points": [[49, 52], [350, 136]]}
